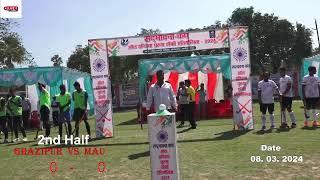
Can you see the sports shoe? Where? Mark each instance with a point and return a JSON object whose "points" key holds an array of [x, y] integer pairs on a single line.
{"points": [[263, 128], [272, 127], [293, 125], [5, 141], [16, 140], [284, 125], [315, 123], [241, 128], [180, 125], [24, 139], [305, 123]]}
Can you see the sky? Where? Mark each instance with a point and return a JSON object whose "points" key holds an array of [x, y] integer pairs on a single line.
{"points": [[50, 27]]}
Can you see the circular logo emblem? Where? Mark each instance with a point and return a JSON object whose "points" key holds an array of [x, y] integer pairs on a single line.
{"points": [[124, 42], [240, 54], [162, 136], [99, 65]]}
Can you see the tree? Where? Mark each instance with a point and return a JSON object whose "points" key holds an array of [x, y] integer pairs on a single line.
{"points": [[144, 32], [79, 59], [302, 44], [11, 46], [272, 40], [57, 60], [124, 69]]}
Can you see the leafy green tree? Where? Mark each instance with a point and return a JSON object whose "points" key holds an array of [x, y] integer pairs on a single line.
{"points": [[12, 50], [144, 32], [56, 60], [79, 59], [302, 44], [272, 40]]}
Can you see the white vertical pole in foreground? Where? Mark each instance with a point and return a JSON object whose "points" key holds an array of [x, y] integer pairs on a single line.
{"points": [[241, 83], [163, 146], [101, 87]]}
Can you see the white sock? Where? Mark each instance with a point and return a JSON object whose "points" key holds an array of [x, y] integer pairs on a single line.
{"points": [[315, 116], [283, 115], [41, 125], [292, 117], [272, 119], [263, 118]]}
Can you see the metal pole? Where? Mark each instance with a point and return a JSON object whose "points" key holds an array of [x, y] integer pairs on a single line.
{"points": [[315, 21]]}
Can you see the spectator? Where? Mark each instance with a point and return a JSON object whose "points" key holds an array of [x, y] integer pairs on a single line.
{"points": [[202, 101], [183, 102], [191, 95], [161, 93], [26, 110]]}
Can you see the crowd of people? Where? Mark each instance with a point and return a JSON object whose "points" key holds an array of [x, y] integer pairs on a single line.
{"points": [[15, 111], [310, 97], [162, 93]]}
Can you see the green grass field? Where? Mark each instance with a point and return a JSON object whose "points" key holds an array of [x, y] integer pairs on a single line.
{"points": [[212, 151]]}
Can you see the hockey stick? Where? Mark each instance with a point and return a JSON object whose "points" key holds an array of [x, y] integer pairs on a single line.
{"points": [[38, 129], [78, 124], [140, 119], [305, 109], [65, 127], [243, 106], [282, 114], [11, 122], [36, 134]]}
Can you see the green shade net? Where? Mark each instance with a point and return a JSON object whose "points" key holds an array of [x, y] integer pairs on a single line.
{"points": [[205, 64], [51, 76], [311, 61]]}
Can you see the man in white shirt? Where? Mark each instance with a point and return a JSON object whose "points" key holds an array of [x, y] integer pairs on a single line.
{"points": [[266, 89], [285, 84], [161, 93], [310, 94]]}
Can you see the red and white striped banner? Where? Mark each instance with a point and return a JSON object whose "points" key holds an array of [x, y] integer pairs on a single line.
{"points": [[213, 82]]}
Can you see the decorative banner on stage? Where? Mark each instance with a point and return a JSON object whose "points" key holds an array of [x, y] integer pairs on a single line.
{"points": [[235, 38], [163, 146], [241, 83], [101, 88], [164, 43]]}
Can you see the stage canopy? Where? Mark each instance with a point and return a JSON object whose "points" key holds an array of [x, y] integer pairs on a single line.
{"points": [[51, 76], [199, 69], [311, 61]]}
